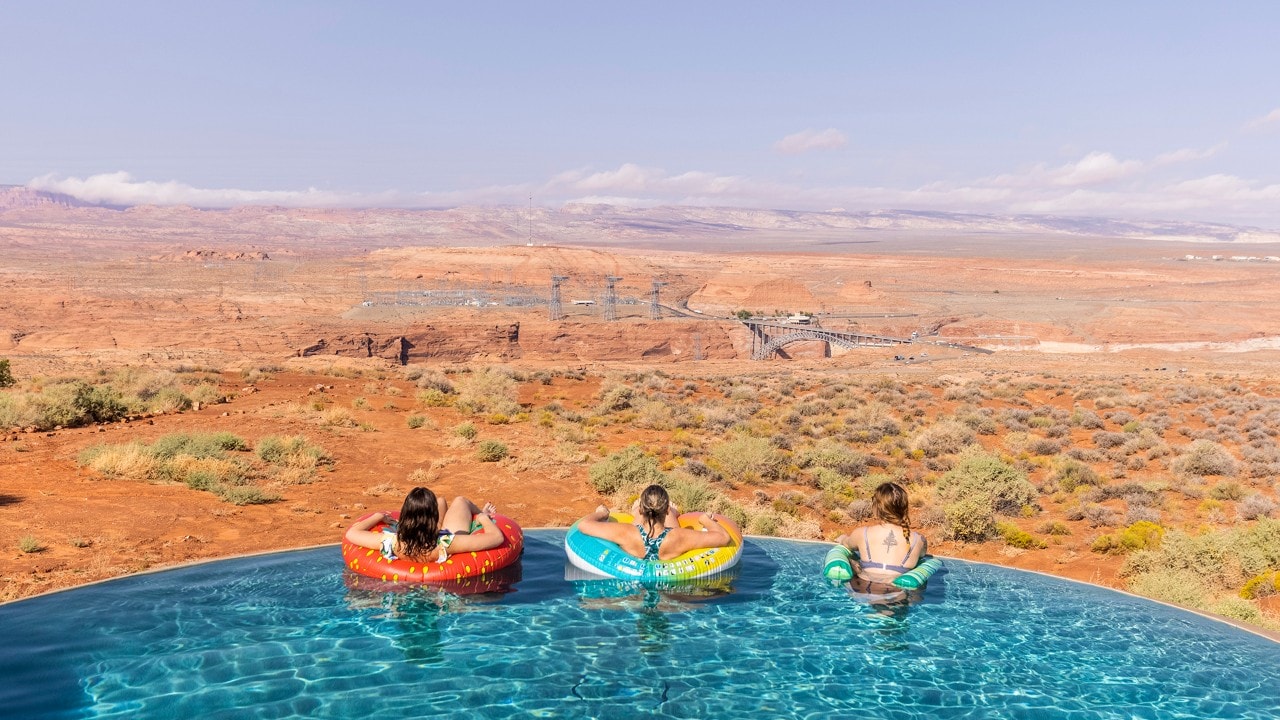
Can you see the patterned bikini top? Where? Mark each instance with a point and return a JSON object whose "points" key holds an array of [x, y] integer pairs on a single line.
{"points": [[651, 545]]}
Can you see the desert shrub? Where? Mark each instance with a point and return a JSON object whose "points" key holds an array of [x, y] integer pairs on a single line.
{"points": [[491, 451], [970, 519], [833, 484], [1261, 585], [1204, 457], [6, 375], [436, 381], [293, 451], [749, 459], [833, 456], [1180, 587], [1044, 446], [628, 468], [1072, 474], [985, 477], [1086, 419], [1054, 527], [943, 437], [1256, 506], [872, 422], [1141, 535], [415, 421], [338, 417], [691, 494], [1016, 419], [1238, 609], [614, 397], [245, 495], [29, 543], [1140, 513], [432, 397], [466, 431], [1019, 538], [1226, 490], [487, 391], [1106, 440], [1099, 516], [859, 510]]}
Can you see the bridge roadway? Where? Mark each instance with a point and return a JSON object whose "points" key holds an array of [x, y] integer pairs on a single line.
{"points": [[765, 343]]}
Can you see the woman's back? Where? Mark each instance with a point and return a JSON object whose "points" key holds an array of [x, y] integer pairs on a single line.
{"points": [[885, 550]]}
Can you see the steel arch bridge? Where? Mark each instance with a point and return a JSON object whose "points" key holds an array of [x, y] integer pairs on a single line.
{"points": [[768, 337]]}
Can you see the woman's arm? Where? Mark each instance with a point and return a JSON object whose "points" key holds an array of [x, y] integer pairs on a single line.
{"points": [[491, 538], [682, 540], [361, 532]]}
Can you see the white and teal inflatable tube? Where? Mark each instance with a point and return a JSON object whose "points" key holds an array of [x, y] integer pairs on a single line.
{"points": [[838, 566], [606, 559]]}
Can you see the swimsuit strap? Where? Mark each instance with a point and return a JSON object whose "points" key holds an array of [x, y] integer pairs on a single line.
{"points": [[911, 547]]}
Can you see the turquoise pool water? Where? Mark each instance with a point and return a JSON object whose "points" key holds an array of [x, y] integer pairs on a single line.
{"points": [[286, 635]]}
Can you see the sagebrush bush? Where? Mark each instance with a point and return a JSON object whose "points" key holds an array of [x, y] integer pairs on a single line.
{"points": [[749, 459], [981, 476], [491, 451], [970, 519], [1019, 538], [488, 391], [833, 456], [1180, 587], [943, 437], [1072, 473], [628, 468], [1204, 457]]}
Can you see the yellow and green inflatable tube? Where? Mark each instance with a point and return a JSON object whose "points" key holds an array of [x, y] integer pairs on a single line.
{"points": [[838, 566], [604, 558]]}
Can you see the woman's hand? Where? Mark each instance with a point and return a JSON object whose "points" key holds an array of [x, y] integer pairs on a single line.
{"points": [[602, 512]]}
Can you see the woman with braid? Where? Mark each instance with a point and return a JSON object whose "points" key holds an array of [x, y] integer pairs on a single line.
{"points": [[888, 548], [656, 534]]}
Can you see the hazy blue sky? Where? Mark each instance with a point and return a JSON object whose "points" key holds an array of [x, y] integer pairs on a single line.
{"points": [[1161, 109]]}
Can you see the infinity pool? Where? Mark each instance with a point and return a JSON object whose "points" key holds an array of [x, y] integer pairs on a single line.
{"points": [[292, 635]]}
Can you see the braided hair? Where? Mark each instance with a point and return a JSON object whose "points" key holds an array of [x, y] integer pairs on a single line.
{"points": [[889, 503]]}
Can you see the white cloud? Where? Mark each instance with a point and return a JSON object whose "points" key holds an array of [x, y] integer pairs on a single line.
{"points": [[1188, 155], [119, 188], [1268, 119], [1097, 184], [1094, 169], [807, 140]]}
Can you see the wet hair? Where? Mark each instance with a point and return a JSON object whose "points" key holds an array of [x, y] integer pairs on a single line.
{"points": [[654, 503], [889, 504], [418, 532]]}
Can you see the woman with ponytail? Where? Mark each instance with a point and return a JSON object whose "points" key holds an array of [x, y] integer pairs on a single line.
{"points": [[890, 547], [656, 534]]}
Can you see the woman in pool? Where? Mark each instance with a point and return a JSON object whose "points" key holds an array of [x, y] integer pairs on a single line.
{"points": [[888, 548], [657, 534], [429, 529]]}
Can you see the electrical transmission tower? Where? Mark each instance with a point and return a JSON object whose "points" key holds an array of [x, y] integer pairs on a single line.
{"points": [[611, 298], [557, 313], [655, 310]]}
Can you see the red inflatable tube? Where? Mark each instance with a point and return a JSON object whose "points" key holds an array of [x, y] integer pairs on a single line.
{"points": [[370, 563]]}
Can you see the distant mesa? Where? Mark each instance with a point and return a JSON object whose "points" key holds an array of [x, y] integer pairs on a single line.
{"points": [[209, 255]]}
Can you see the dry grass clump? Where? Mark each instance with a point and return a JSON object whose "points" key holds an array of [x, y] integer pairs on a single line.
{"points": [[211, 462], [490, 390], [48, 403]]}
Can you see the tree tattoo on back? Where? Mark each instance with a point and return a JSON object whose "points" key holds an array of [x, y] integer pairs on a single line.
{"points": [[890, 542]]}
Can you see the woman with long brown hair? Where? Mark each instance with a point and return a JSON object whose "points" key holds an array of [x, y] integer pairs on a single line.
{"points": [[429, 529], [889, 547]]}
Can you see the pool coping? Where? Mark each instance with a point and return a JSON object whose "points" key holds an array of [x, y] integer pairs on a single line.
{"points": [[1260, 632]]}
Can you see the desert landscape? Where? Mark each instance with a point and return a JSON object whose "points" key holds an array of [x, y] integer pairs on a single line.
{"points": [[1096, 401]]}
